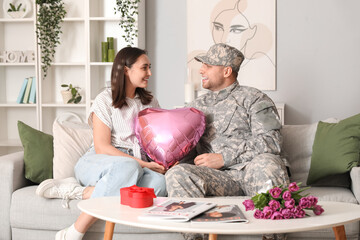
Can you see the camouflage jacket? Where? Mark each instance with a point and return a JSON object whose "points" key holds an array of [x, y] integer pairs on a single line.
{"points": [[241, 122]]}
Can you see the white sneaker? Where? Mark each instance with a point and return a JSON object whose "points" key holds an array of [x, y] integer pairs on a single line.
{"points": [[60, 235], [65, 189]]}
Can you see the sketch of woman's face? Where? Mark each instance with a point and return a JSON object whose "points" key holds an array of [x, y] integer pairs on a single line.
{"points": [[232, 27]]}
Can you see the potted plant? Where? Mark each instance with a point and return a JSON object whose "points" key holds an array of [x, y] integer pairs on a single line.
{"points": [[50, 15], [71, 94], [128, 9], [16, 11]]}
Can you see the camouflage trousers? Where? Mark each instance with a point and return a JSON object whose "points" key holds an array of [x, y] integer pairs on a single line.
{"points": [[260, 174]]}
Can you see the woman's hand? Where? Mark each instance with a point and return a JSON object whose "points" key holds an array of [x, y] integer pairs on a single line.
{"points": [[155, 167]]}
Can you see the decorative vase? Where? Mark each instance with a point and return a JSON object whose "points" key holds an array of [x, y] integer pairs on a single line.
{"points": [[66, 95], [17, 14]]}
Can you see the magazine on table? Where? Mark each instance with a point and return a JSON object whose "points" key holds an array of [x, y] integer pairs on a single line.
{"points": [[176, 210], [221, 214]]}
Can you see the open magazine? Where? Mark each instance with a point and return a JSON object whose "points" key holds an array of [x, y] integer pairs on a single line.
{"points": [[221, 214], [176, 210]]}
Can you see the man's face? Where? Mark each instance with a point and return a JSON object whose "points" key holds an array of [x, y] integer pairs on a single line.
{"points": [[212, 77]]}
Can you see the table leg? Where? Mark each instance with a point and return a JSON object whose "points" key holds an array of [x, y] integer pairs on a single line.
{"points": [[212, 236], [109, 230], [339, 232]]}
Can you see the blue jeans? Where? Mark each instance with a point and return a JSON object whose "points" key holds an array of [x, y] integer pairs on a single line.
{"points": [[110, 173]]}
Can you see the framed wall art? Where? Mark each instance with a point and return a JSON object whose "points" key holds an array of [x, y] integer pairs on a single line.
{"points": [[249, 25]]}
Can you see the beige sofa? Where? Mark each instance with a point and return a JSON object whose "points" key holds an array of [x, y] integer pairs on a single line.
{"points": [[24, 215]]}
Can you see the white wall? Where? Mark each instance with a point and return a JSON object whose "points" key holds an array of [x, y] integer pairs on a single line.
{"points": [[318, 49], [166, 46]]}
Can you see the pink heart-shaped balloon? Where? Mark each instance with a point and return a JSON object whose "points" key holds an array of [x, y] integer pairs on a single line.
{"points": [[168, 135]]}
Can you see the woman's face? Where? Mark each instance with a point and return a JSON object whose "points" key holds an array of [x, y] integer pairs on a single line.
{"points": [[232, 28], [138, 75]]}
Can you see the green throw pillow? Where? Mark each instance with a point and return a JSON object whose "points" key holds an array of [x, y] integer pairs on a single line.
{"points": [[38, 153], [336, 148]]}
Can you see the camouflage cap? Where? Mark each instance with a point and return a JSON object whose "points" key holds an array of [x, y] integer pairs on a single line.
{"points": [[222, 55]]}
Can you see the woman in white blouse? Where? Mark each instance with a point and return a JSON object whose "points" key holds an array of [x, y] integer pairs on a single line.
{"points": [[114, 160]]}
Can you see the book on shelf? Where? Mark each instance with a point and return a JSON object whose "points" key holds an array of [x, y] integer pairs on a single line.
{"points": [[22, 91], [221, 214], [27, 90], [176, 210], [32, 95]]}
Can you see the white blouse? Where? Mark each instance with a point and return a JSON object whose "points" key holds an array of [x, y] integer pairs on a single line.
{"points": [[120, 121]]}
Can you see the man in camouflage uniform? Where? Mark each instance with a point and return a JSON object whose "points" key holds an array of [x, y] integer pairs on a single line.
{"points": [[239, 153]]}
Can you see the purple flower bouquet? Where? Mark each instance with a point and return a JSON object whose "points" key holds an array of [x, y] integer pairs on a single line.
{"points": [[283, 203]]}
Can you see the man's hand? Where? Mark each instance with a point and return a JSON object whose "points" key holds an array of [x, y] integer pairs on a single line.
{"points": [[211, 160]]}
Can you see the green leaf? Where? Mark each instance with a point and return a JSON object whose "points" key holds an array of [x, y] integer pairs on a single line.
{"points": [[49, 16], [13, 9], [261, 200], [126, 9], [73, 91], [18, 8], [78, 99]]}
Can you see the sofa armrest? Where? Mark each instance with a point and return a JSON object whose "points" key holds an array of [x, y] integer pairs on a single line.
{"points": [[355, 182], [11, 179]]}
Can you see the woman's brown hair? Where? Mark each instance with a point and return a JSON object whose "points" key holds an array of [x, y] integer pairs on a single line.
{"points": [[126, 57]]}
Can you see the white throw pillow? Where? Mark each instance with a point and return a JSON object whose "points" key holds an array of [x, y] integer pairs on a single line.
{"points": [[297, 147], [71, 141]]}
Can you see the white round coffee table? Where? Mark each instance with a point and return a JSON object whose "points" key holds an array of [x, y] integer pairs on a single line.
{"points": [[109, 209]]}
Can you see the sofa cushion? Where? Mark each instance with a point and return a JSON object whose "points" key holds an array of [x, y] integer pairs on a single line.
{"points": [[71, 141], [29, 211], [297, 148], [336, 148], [336, 194], [38, 153]]}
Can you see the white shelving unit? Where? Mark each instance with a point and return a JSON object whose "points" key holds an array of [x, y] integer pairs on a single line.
{"points": [[77, 61], [16, 35]]}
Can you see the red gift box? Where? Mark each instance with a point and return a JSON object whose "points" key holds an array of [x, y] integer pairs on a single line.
{"points": [[137, 197]]}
